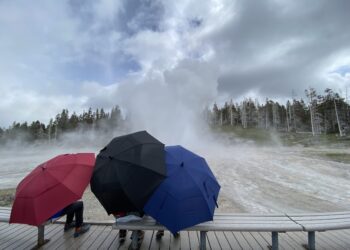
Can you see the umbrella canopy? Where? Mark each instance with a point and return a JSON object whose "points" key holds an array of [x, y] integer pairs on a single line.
{"points": [[188, 195], [50, 187], [127, 171]]}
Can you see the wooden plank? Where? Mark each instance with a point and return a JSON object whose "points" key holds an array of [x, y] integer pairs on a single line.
{"points": [[274, 226], [115, 244], [156, 244], [231, 239], [126, 244], [92, 238], [53, 233], [325, 222], [147, 240], [324, 227], [284, 238], [340, 239], [265, 238], [248, 214], [164, 243], [24, 232], [327, 241], [268, 238], [11, 232], [224, 244], [111, 237], [101, 237], [3, 226], [86, 238], [316, 214], [175, 242], [253, 218], [71, 242], [242, 241], [194, 241], [341, 235], [212, 241], [59, 238], [261, 241], [321, 219], [295, 240], [185, 240], [251, 240], [50, 231], [5, 208], [26, 241]]}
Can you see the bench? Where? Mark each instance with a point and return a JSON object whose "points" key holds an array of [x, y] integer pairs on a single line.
{"points": [[320, 222], [5, 213], [274, 223]]}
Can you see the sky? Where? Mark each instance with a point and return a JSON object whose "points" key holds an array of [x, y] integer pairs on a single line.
{"points": [[166, 55]]}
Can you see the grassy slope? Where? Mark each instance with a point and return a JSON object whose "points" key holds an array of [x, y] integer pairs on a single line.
{"points": [[265, 137], [6, 197]]}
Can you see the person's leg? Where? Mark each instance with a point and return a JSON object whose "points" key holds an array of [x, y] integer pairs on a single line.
{"points": [[159, 234], [69, 212], [122, 235], [77, 209]]}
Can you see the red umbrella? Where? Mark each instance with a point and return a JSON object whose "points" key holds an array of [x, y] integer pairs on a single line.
{"points": [[50, 187]]}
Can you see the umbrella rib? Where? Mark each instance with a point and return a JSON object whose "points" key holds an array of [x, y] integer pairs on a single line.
{"points": [[197, 186], [137, 145], [58, 182], [202, 171], [140, 165]]}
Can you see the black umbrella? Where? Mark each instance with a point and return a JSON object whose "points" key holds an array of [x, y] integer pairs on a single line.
{"points": [[127, 171]]}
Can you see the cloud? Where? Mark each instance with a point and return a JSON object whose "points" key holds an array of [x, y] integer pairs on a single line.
{"points": [[20, 106], [78, 50], [278, 46]]}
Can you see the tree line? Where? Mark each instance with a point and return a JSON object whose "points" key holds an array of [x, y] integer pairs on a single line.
{"points": [[98, 120], [327, 113]]}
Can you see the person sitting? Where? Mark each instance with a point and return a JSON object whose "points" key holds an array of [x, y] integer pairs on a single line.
{"points": [[122, 233], [76, 209], [160, 234]]}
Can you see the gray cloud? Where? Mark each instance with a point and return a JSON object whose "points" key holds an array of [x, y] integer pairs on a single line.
{"points": [[75, 54], [278, 46]]}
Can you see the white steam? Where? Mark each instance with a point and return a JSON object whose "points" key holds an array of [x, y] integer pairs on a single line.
{"points": [[169, 104]]}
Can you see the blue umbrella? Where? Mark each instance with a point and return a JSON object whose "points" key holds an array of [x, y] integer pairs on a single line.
{"points": [[188, 195]]}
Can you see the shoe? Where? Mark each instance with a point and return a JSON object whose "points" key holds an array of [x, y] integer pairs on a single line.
{"points": [[122, 235], [159, 234], [83, 229], [69, 226]]}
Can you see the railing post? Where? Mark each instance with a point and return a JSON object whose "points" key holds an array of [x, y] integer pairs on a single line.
{"points": [[274, 241], [203, 240], [311, 240]]}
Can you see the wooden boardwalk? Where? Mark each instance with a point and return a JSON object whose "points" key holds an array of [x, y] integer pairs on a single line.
{"points": [[16, 236]]}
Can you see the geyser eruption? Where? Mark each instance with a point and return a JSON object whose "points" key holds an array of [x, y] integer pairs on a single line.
{"points": [[169, 104]]}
